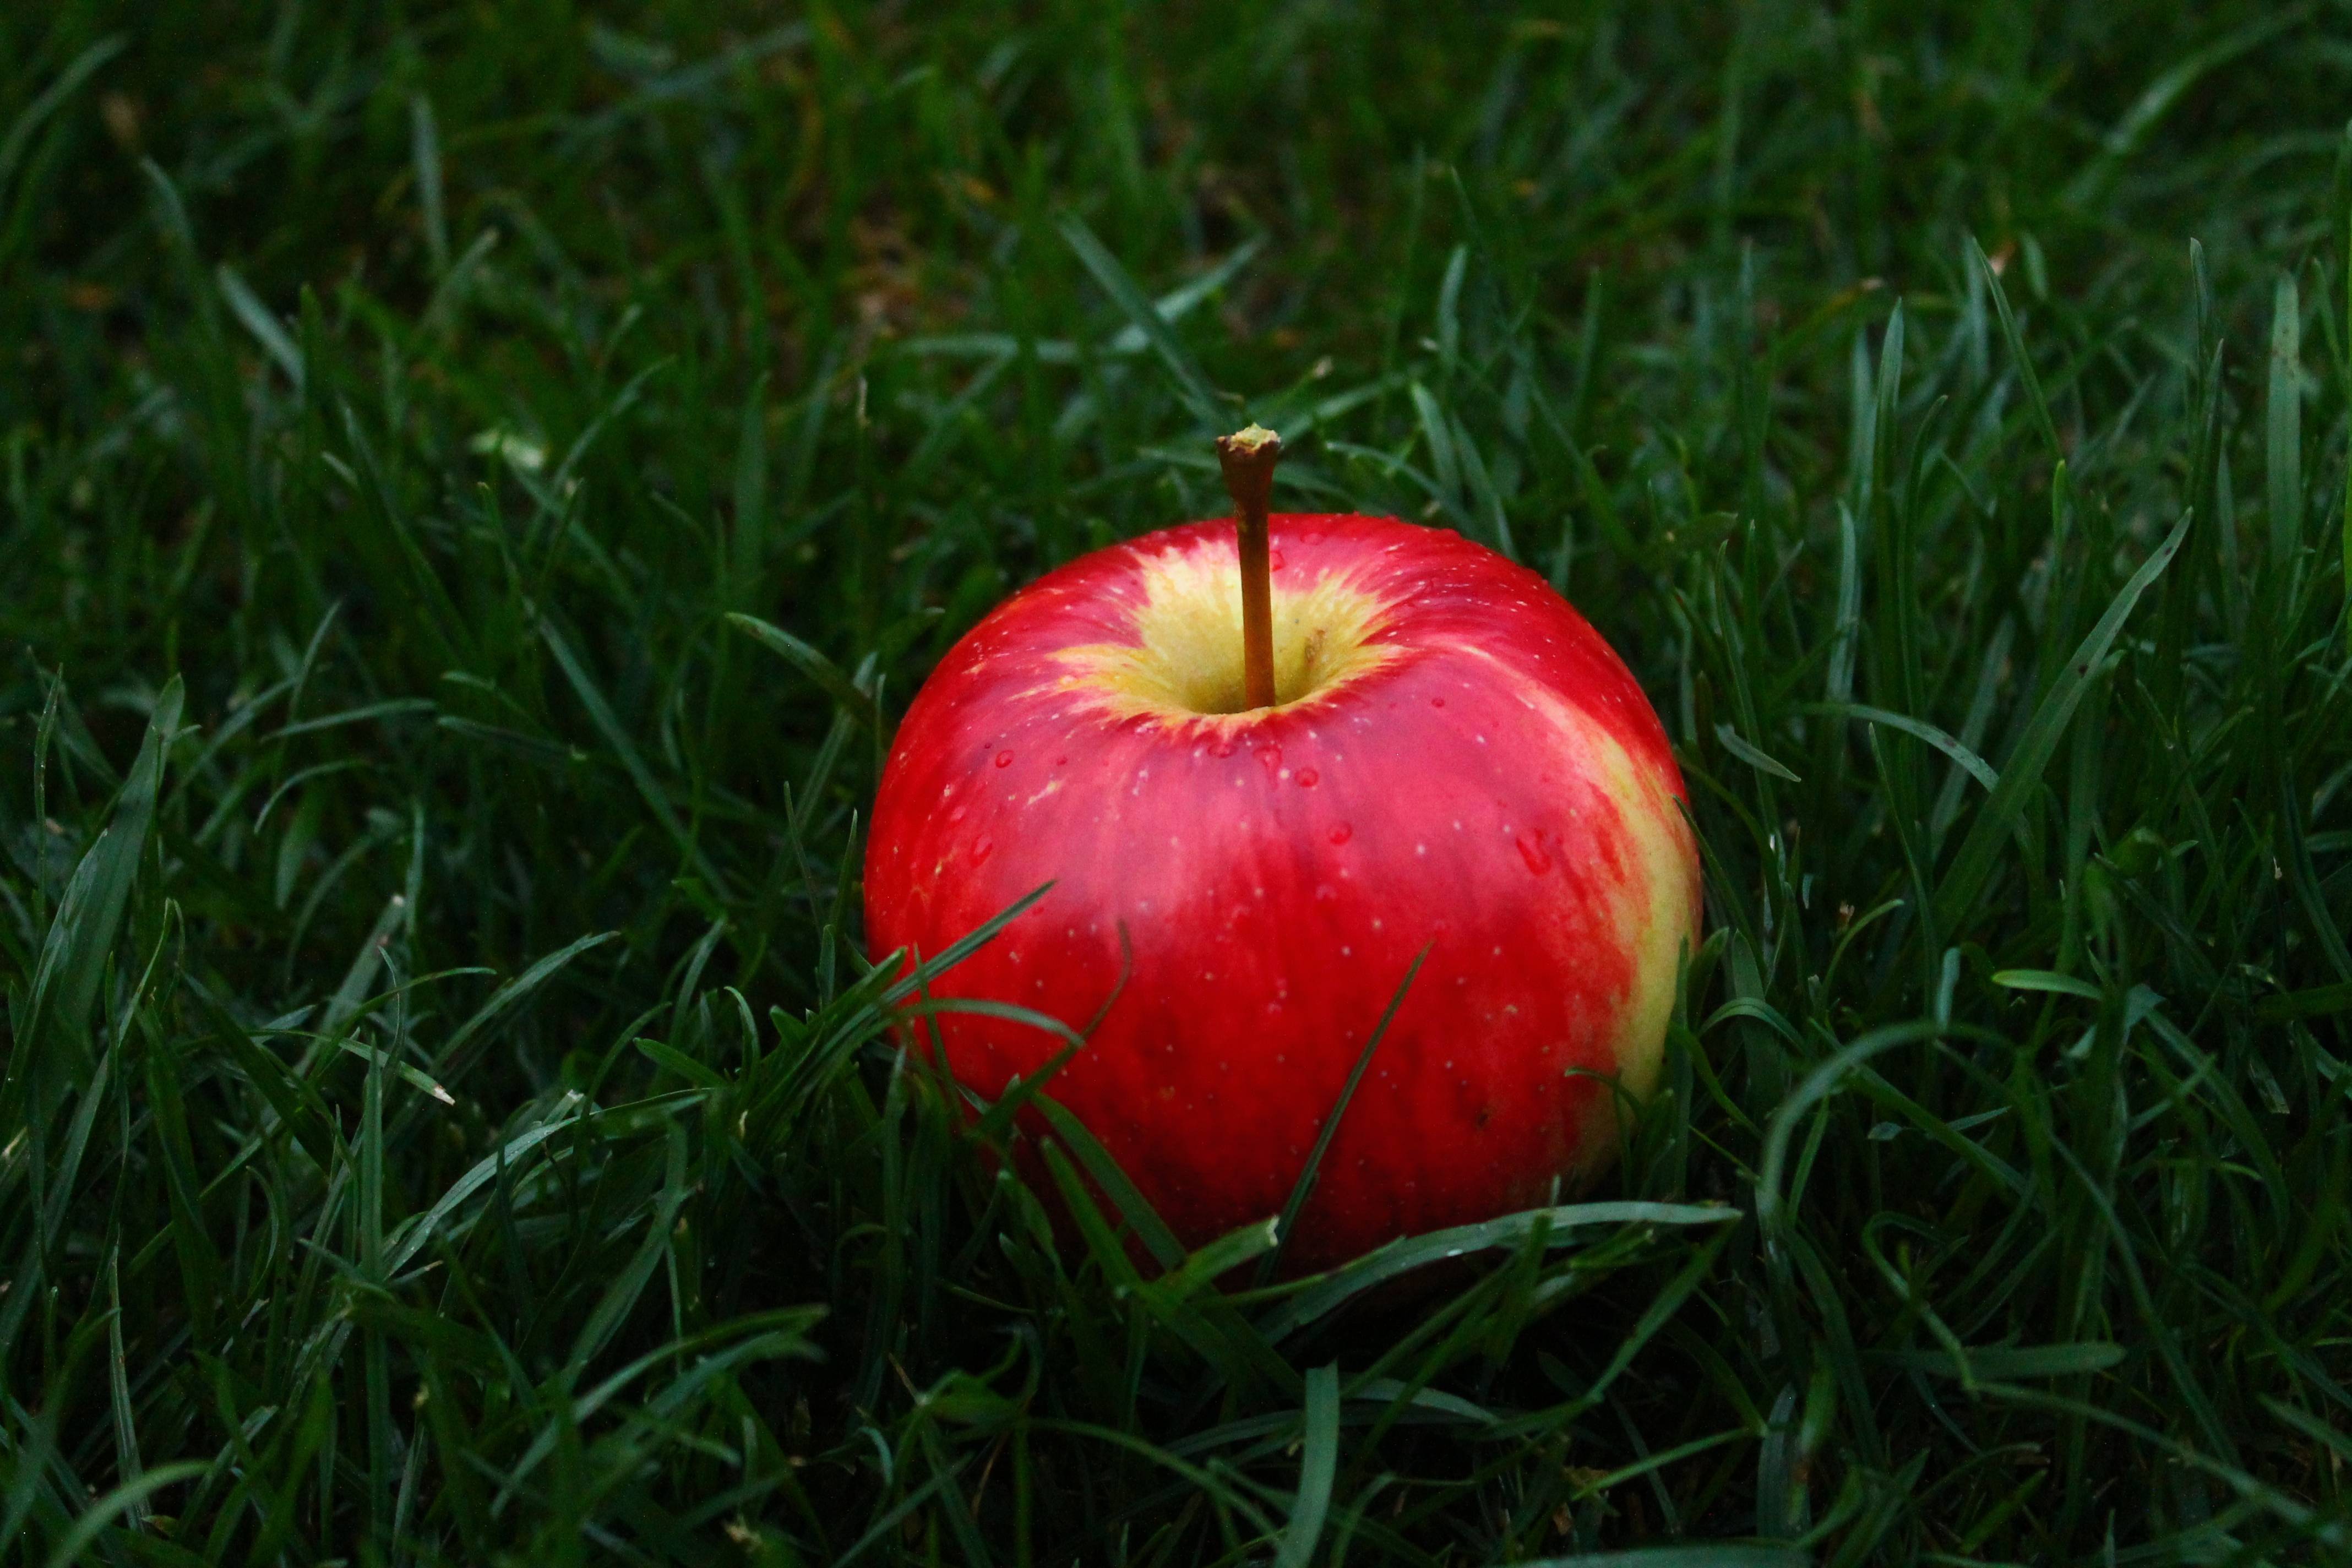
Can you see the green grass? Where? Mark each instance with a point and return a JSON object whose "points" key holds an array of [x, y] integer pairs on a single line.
{"points": [[448, 1114]]}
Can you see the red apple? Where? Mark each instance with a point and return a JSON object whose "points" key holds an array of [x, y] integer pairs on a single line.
{"points": [[1455, 761]]}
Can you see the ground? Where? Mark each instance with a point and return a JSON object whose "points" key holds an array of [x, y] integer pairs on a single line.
{"points": [[481, 483]]}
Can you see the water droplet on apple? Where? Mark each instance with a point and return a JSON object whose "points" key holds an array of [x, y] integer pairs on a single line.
{"points": [[1223, 748], [1274, 560], [1271, 756], [1307, 778], [956, 815], [1312, 536], [1437, 702], [1531, 850], [1341, 833], [980, 850], [1003, 759]]}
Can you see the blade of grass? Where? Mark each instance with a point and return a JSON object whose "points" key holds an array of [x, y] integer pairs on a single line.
{"points": [[828, 675], [1975, 765], [1974, 862], [1402, 1257], [1318, 1466], [2014, 337], [649, 789], [50, 98], [74, 954], [2282, 425], [1304, 1185], [1184, 374]]}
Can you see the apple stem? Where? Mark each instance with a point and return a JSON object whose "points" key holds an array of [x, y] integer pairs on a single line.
{"points": [[1248, 456]]}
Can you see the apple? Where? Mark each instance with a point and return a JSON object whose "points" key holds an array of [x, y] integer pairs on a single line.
{"points": [[1452, 760]]}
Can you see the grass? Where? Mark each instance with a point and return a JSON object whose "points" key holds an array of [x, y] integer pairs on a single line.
{"points": [[448, 1116]]}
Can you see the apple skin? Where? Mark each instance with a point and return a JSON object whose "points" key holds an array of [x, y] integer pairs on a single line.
{"points": [[1471, 769]]}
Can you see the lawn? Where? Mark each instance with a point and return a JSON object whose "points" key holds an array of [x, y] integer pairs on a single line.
{"points": [[450, 1115]]}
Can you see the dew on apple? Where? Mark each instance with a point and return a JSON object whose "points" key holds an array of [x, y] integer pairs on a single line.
{"points": [[1340, 832], [1003, 759], [1307, 778]]}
